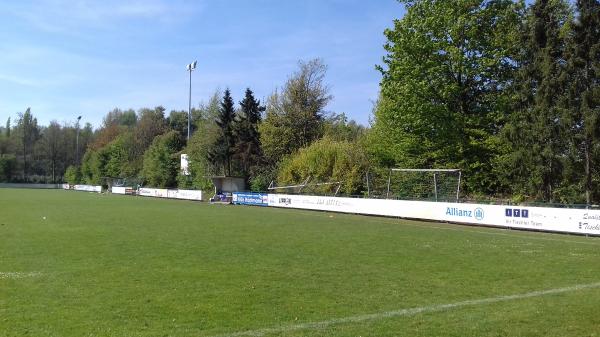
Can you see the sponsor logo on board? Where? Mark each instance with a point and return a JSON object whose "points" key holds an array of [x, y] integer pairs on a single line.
{"points": [[285, 201], [589, 227], [478, 213], [591, 222], [516, 213]]}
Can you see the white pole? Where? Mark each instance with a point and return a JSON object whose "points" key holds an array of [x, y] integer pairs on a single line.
{"points": [[435, 186], [388, 187], [458, 187]]}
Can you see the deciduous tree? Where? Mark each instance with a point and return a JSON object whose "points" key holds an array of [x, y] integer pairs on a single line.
{"points": [[161, 160], [29, 133], [443, 95], [295, 116]]}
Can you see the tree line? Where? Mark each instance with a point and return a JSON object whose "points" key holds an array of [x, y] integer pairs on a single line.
{"points": [[33, 153], [249, 139], [506, 92]]}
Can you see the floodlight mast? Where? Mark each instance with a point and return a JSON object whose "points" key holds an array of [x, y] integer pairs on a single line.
{"points": [[77, 143], [190, 67]]}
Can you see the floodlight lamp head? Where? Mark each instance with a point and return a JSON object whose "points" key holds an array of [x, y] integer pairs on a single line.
{"points": [[194, 65], [78, 118]]}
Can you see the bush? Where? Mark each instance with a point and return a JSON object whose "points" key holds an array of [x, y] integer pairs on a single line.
{"points": [[327, 160], [161, 160], [8, 165], [260, 179], [73, 175]]}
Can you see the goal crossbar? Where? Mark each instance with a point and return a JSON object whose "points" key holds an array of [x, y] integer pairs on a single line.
{"points": [[306, 183], [424, 170]]}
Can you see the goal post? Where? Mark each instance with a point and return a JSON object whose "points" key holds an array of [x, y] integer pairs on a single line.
{"points": [[428, 184], [308, 187], [388, 183]]}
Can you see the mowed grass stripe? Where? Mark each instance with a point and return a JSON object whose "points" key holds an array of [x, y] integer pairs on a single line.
{"points": [[125, 266]]}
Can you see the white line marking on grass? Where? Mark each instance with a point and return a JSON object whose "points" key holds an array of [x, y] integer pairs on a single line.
{"points": [[406, 312], [17, 275]]}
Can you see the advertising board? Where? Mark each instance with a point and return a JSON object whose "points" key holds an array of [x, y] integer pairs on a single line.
{"points": [[534, 218], [185, 194], [88, 188], [173, 194], [250, 198], [185, 164], [154, 192], [119, 189]]}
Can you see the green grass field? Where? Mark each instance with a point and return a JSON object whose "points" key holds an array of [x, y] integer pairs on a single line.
{"points": [[101, 265]]}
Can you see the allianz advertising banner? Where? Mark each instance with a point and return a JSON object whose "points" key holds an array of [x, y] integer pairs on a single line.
{"points": [[537, 218]]}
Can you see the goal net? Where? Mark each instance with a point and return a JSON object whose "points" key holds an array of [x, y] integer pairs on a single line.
{"points": [[308, 186], [416, 184]]}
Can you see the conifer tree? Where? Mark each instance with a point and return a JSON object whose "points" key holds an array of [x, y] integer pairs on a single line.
{"points": [[535, 130], [223, 149], [582, 98], [247, 148]]}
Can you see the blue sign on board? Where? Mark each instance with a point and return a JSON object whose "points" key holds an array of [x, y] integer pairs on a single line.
{"points": [[516, 212], [250, 198]]}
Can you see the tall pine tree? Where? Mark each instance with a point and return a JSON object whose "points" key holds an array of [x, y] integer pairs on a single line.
{"points": [[535, 131], [223, 149], [247, 148], [582, 100]]}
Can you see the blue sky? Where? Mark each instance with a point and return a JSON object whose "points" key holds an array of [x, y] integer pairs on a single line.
{"points": [[69, 58]]}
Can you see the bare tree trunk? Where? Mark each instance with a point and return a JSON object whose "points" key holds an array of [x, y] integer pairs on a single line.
{"points": [[53, 171], [24, 163]]}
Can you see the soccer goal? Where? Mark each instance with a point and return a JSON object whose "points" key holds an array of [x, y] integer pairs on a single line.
{"points": [[308, 186], [423, 184]]}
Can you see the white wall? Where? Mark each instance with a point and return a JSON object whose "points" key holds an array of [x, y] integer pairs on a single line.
{"points": [[188, 195], [153, 192], [119, 189], [88, 188], [539, 218], [35, 186], [174, 194]]}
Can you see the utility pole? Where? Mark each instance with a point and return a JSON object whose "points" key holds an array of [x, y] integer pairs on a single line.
{"points": [[190, 67], [77, 142]]}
